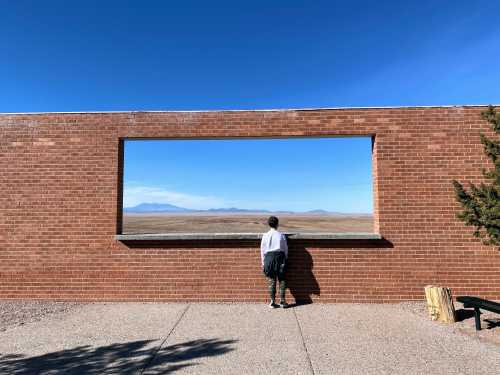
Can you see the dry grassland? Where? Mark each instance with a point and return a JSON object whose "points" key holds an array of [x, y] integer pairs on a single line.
{"points": [[243, 223]]}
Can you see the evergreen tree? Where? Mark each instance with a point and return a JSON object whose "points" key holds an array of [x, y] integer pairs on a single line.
{"points": [[481, 204]]}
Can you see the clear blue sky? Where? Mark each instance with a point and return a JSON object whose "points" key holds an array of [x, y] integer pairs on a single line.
{"points": [[197, 55], [298, 174], [139, 55]]}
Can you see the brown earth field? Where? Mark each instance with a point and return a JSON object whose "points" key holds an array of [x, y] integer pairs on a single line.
{"points": [[243, 223]]}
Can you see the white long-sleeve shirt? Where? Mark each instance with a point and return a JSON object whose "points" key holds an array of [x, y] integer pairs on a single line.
{"points": [[273, 241]]}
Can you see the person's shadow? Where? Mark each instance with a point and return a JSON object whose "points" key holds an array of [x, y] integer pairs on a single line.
{"points": [[299, 277]]}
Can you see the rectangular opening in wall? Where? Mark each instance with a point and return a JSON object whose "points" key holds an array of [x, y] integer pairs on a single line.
{"points": [[313, 185]]}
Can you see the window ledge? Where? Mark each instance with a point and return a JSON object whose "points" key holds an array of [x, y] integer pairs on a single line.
{"points": [[244, 236]]}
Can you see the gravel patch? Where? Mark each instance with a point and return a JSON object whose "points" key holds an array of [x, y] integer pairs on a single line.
{"points": [[490, 322], [19, 312]]}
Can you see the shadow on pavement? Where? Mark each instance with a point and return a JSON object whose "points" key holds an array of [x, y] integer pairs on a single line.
{"points": [[124, 358], [298, 303], [492, 323], [463, 314]]}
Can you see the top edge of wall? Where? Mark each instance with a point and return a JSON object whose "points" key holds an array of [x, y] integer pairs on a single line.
{"points": [[253, 110]]}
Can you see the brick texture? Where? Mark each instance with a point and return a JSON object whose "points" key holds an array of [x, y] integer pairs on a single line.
{"points": [[60, 185]]}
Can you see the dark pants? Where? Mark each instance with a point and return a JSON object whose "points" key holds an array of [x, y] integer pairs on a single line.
{"points": [[275, 268]]}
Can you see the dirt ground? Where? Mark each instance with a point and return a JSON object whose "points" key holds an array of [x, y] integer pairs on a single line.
{"points": [[243, 223], [20, 312]]}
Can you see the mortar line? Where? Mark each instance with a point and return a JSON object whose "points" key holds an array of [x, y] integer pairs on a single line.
{"points": [[148, 363], [304, 343]]}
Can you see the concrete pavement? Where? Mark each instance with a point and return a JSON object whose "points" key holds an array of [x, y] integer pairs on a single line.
{"points": [[149, 338]]}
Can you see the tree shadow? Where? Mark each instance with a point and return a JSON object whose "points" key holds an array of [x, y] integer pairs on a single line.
{"points": [[300, 278], [121, 358]]}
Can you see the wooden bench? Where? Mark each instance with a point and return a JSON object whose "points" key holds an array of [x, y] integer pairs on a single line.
{"points": [[478, 303]]}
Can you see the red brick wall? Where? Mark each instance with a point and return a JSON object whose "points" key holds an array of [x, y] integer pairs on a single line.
{"points": [[59, 199]]}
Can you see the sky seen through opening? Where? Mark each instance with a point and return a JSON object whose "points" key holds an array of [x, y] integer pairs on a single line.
{"points": [[301, 174]]}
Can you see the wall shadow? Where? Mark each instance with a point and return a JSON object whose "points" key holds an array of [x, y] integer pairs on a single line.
{"points": [[121, 358], [300, 278], [221, 243], [343, 244], [191, 244], [300, 275], [119, 188]]}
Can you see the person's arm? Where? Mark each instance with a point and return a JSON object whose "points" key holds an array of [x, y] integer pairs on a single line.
{"points": [[284, 245]]}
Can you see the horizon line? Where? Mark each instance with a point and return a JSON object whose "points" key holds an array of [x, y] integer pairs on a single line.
{"points": [[242, 209]]}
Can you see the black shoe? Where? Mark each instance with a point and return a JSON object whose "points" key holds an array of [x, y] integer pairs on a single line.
{"points": [[284, 305]]}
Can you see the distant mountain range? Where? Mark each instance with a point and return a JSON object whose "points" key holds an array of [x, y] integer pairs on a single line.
{"points": [[156, 207], [165, 207]]}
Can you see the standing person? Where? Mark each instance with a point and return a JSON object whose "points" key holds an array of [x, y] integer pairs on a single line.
{"points": [[274, 253]]}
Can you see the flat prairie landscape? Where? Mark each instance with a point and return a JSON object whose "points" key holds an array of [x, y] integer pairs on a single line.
{"points": [[243, 223]]}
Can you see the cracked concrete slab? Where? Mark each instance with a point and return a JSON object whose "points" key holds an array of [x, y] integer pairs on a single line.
{"points": [[211, 338], [234, 339], [386, 339]]}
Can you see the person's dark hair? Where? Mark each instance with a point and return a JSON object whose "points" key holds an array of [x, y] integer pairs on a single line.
{"points": [[273, 222]]}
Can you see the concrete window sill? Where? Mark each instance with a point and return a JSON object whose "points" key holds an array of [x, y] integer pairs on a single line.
{"points": [[244, 236]]}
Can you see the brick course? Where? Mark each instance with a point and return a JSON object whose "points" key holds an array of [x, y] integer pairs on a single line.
{"points": [[60, 185]]}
